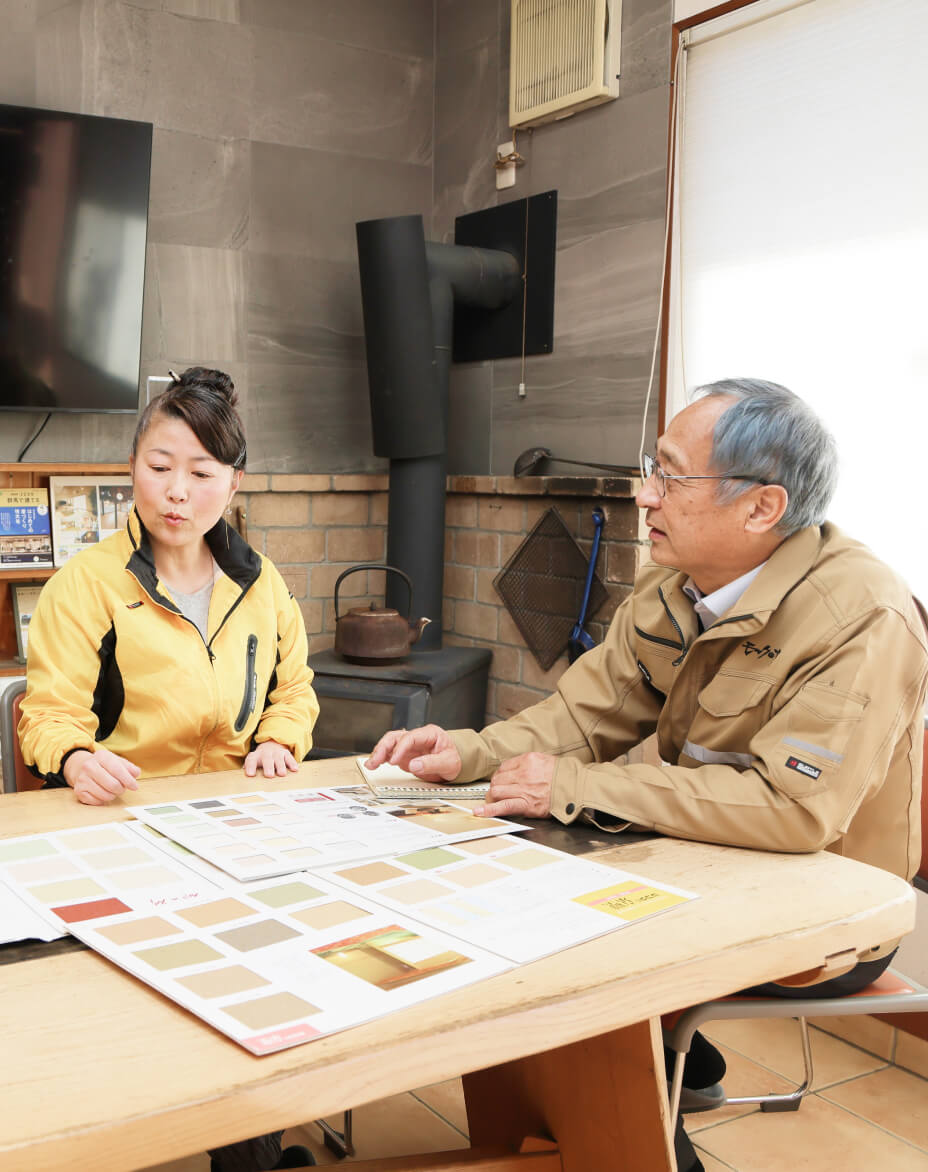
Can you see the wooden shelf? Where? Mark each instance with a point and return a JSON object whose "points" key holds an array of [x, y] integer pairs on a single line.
{"points": [[24, 475], [39, 574]]}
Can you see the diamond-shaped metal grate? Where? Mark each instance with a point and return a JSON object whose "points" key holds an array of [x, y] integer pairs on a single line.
{"points": [[542, 587]]}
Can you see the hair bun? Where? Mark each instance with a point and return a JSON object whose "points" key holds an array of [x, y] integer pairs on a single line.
{"points": [[204, 378]]}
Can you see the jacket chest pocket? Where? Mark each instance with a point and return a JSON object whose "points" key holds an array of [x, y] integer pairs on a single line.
{"points": [[656, 667], [730, 710]]}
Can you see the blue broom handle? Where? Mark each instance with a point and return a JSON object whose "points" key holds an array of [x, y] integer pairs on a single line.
{"points": [[598, 519]]}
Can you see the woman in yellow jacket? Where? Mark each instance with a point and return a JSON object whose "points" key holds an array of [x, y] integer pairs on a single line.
{"points": [[172, 647]]}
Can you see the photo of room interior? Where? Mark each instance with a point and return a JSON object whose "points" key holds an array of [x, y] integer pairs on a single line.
{"points": [[470, 281]]}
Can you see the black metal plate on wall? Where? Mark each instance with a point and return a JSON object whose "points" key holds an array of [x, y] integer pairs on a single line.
{"points": [[526, 228]]}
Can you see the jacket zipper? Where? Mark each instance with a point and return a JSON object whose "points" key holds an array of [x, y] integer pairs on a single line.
{"points": [[676, 626], [251, 684]]}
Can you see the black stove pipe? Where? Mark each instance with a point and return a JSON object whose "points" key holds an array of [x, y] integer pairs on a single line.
{"points": [[408, 291]]}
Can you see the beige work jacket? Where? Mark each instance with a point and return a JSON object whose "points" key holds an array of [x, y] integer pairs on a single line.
{"points": [[793, 724]]}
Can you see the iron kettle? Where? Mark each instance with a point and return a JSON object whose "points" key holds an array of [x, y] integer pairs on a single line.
{"points": [[375, 634]]}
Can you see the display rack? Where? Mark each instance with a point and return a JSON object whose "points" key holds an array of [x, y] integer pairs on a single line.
{"points": [[13, 475]]}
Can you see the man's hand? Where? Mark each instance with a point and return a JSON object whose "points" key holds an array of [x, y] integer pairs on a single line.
{"points": [[521, 785], [99, 777], [272, 759], [428, 752]]}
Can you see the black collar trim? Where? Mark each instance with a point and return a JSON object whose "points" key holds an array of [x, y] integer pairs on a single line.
{"points": [[233, 555]]}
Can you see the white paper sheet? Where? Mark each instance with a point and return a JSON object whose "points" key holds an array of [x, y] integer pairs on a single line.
{"points": [[262, 834], [517, 899], [287, 961], [19, 921]]}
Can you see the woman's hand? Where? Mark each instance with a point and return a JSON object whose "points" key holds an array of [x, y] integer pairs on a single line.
{"points": [[99, 777], [272, 759]]}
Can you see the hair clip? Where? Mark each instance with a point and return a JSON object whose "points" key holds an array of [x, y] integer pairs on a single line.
{"points": [[174, 375]]}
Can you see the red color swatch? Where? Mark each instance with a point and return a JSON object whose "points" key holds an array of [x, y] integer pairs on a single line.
{"points": [[95, 910]]}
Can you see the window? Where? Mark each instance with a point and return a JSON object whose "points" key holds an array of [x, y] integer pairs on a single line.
{"points": [[801, 238]]}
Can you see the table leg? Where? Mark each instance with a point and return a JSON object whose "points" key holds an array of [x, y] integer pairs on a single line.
{"points": [[603, 1100]]}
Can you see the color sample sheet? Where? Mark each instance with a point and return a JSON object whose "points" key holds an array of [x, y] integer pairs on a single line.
{"points": [[260, 835], [75, 875], [287, 961], [514, 898]]}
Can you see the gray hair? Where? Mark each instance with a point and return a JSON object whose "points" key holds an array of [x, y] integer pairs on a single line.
{"points": [[771, 435]]}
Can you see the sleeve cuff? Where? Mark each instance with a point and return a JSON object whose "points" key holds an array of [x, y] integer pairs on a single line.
{"points": [[477, 762], [566, 790], [567, 798]]}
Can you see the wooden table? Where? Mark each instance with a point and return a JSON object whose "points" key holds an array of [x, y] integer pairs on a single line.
{"points": [[100, 1072]]}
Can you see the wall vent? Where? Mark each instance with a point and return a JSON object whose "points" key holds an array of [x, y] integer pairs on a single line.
{"points": [[564, 57]]}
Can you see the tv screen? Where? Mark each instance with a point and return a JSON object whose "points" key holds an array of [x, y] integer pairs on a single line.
{"points": [[73, 228]]}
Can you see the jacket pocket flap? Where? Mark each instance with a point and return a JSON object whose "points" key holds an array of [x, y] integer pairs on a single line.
{"points": [[731, 693], [831, 704]]}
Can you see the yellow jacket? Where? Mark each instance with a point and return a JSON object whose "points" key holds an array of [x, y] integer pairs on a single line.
{"points": [[794, 724], [112, 662]]}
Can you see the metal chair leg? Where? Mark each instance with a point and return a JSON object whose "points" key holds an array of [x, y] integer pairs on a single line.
{"points": [[771, 1102], [338, 1142], [792, 1100]]}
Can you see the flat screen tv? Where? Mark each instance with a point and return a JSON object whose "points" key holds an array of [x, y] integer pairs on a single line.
{"points": [[73, 228]]}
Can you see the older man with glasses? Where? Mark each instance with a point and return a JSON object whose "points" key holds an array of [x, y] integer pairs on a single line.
{"points": [[782, 666]]}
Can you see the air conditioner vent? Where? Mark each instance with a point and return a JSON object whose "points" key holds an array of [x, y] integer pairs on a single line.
{"points": [[564, 57]]}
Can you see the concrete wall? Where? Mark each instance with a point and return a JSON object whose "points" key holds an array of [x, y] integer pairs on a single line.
{"points": [[608, 164], [278, 124]]}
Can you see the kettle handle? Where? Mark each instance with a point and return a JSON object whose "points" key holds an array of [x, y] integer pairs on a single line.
{"points": [[374, 566]]}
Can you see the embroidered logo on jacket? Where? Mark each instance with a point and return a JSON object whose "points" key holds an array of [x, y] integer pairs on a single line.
{"points": [[802, 767], [770, 652], [132, 605]]}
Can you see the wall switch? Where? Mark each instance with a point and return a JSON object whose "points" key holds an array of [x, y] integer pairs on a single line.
{"points": [[505, 172]]}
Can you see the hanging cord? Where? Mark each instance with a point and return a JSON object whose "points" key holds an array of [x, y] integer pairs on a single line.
{"points": [[524, 302], [35, 436], [674, 111]]}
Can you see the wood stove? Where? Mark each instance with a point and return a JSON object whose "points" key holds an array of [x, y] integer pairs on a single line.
{"points": [[359, 703]]}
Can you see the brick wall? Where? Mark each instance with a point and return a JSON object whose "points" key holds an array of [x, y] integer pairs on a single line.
{"points": [[315, 527]]}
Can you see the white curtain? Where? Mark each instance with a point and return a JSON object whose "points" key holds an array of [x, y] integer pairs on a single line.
{"points": [[801, 238]]}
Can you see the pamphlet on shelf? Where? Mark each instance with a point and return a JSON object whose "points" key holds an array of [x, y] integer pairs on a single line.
{"points": [[25, 529], [25, 596], [85, 510]]}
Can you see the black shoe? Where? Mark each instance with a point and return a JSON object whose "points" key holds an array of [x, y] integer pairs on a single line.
{"points": [[296, 1156], [687, 1160], [693, 1099]]}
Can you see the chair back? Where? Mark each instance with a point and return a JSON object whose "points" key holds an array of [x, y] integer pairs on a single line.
{"points": [[923, 868], [16, 777]]}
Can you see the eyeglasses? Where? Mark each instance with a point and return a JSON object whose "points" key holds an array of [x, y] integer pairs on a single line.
{"points": [[650, 467]]}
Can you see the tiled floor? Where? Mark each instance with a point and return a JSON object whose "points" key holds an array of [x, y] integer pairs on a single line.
{"points": [[868, 1109]]}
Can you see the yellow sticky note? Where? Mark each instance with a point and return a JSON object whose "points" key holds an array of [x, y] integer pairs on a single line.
{"points": [[630, 900]]}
